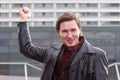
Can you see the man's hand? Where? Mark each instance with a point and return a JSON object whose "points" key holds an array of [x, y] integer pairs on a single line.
{"points": [[25, 13]]}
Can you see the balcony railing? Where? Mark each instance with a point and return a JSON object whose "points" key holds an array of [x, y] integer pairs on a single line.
{"points": [[25, 67], [116, 64], [39, 69]]}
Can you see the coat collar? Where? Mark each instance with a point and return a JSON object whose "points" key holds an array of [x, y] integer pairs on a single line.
{"points": [[57, 45], [86, 48]]}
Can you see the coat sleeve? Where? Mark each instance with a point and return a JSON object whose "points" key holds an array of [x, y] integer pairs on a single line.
{"points": [[27, 48], [101, 66]]}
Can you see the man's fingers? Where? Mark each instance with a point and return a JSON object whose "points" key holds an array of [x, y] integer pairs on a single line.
{"points": [[25, 13]]}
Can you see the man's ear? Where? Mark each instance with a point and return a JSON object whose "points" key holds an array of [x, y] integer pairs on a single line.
{"points": [[58, 33], [81, 33]]}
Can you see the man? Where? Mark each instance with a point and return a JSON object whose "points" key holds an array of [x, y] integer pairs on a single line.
{"points": [[74, 59]]}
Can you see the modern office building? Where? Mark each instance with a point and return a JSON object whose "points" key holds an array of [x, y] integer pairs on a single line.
{"points": [[45, 12]]}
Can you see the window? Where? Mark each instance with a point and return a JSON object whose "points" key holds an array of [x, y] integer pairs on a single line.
{"points": [[43, 23], [43, 5], [4, 5], [89, 23], [110, 23], [14, 24], [43, 14], [84, 14], [59, 14], [110, 14], [19, 5], [88, 5], [110, 5], [4, 24], [15, 15], [4, 14], [65, 5]]}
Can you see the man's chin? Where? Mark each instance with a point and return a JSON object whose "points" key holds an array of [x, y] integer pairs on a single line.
{"points": [[70, 45]]}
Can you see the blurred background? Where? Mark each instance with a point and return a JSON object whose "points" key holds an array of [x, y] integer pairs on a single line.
{"points": [[100, 20]]}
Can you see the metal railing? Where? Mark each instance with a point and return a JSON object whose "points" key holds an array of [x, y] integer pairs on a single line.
{"points": [[116, 64], [25, 66]]}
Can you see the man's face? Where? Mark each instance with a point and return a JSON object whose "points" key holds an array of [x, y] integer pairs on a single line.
{"points": [[69, 33]]}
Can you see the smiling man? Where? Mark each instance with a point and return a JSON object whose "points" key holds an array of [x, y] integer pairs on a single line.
{"points": [[74, 59]]}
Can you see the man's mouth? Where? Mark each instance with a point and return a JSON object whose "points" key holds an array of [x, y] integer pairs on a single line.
{"points": [[70, 41]]}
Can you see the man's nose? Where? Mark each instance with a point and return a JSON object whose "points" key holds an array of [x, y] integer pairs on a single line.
{"points": [[69, 35]]}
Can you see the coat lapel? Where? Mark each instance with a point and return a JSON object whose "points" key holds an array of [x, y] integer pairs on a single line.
{"points": [[57, 48], [86, 47], [80, 53]]}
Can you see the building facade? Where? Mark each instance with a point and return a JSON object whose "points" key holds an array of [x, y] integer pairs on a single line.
{"points": [[45, 12]]}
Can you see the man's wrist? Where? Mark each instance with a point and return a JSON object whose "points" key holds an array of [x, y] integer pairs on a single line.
{"points": [[22, 23]]}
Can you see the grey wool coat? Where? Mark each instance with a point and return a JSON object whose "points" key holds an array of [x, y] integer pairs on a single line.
{"points": [[90, 63]]}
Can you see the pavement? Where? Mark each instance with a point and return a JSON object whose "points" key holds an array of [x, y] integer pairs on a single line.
{"points": [[8, 77]]}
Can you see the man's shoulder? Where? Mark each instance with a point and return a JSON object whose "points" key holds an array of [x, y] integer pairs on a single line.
{"points": [[95, 49], [56, 45], [99, 51]]}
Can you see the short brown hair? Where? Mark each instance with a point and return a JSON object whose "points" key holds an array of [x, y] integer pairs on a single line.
{"points": [[67, 16]]}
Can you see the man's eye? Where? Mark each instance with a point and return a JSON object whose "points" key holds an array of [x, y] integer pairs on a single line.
{"points": [[73, 30], [64, 31]]}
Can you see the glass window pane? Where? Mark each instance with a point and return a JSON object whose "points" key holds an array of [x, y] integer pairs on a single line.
{"points": [[43, 5]]}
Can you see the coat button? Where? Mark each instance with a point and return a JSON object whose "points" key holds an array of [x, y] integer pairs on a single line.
{"points": [[73, 71], [63, 72]]}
